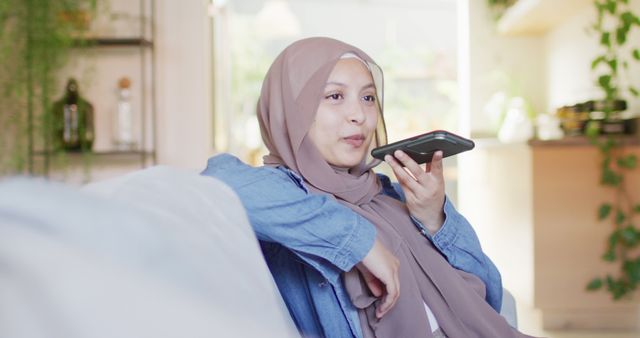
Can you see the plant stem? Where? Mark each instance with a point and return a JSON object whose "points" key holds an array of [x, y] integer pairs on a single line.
{"points": [[44, 82], [30, 84]]}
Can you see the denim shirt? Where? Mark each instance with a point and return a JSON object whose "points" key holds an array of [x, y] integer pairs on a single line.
{"points": [[309, 240]]}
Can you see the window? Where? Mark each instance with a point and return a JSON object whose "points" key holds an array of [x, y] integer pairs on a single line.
{"points": [[414, 41]]}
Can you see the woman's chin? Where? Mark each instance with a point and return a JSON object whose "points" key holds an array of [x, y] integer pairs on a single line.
{"points": [[352, 162]]}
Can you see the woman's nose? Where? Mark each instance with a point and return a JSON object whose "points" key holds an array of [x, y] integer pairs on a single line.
{"points": [[356, 114]]}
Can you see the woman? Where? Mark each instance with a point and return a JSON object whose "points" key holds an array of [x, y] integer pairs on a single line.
{"points": [[352, 254]]}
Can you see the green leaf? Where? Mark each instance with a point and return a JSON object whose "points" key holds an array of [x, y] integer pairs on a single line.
{"points": [[605, 39], [618, 290], [636, 54], [609, 280], [627, 19], [595, 284], [605, 81], [620, 217], [632, 269], [597, 26], [599, 7], [611, 6], [604, 211], [628, 162], [613, 64], [636, 208], [613, 240], [634, 91], [632, 161], [609, 256], [630, 236], [621, 35], [617, 287], [610, 178], [597, 61]]}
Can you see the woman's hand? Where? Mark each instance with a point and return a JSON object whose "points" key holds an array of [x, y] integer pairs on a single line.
{"points": [[423, 189], [380, 269]]}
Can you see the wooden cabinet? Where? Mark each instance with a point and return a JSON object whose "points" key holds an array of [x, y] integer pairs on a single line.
{"points": [[569, 240]]}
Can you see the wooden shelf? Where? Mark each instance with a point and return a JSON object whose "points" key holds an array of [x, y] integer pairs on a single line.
{"points": [[582, 141], [129, 45], [106, 153], [102, 157], [113, 42], [536, 17]]}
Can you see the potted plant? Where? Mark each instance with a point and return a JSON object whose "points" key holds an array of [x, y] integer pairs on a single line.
{"points": [[35, 39], [615, 21]]}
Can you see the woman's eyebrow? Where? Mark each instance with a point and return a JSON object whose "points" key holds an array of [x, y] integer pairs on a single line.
{"points": [[340, 84], [370, 85]]}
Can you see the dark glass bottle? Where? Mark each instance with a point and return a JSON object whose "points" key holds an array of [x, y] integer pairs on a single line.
{"points": [[73, 120]]}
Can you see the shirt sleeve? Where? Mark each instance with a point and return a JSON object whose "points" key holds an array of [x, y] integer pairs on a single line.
{"points": [[317, 228], [459, 243]]}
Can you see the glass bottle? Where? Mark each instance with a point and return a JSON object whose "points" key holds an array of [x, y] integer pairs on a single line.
{"points": [[73, 128], [123, 131]]}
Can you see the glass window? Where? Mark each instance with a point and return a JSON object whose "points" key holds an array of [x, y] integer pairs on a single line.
{"points": [[414, 41]]}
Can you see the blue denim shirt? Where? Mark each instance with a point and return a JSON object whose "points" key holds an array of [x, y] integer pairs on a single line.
{"points": [[308, 240]]}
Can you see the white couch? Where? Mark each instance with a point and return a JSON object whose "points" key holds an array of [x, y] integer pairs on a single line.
{"points": [[156, 253]]}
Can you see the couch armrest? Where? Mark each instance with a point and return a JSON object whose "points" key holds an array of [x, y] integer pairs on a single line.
{"points": [[509, 309]]}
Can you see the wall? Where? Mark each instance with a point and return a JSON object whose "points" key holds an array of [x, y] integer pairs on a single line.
{"points": [[496, 197], [183, 78], [496, 186], [185, 137], [491, 56], [495, 191], [570, 51]]}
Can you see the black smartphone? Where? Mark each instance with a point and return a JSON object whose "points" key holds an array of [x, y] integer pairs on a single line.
{"points": [[422, 147]]}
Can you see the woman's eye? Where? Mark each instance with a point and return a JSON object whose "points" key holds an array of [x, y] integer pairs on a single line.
{"points": [[370, 98], [335, 96]]}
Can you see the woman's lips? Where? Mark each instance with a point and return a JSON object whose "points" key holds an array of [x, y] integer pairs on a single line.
{"points": [[355, 140]]}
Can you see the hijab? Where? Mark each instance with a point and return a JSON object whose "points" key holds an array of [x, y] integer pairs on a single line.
{"points": [[289, 99]]}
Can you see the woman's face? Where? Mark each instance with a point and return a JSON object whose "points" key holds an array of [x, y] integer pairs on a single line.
{"points": [[347, 115]]}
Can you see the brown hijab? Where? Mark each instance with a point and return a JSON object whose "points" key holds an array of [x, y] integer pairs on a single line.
{"points": [[290, 96]]}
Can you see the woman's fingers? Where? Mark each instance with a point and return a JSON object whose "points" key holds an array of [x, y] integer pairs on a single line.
{"points": [[393, 293], [409, 163], [375, 285], [435, 166], [404, 178]]}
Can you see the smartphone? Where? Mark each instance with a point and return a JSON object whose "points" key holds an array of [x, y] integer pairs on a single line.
{"points": [[422, 147]]}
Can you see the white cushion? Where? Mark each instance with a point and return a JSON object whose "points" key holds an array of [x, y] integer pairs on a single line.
{"points": [[156, 253]]}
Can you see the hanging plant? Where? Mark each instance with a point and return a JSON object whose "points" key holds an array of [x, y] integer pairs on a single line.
{"points": [[498, 7], [615, 21], [35, 39]]}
